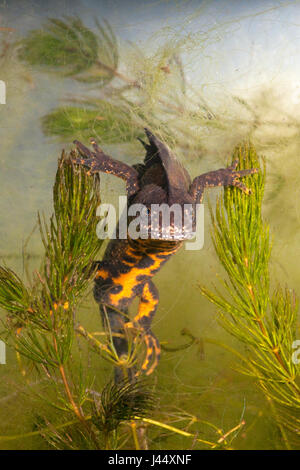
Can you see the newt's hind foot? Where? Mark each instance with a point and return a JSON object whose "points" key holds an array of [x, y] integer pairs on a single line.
{"points": [[153, 350], [152, 354]]}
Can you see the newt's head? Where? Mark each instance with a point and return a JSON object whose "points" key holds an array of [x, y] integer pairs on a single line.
{"points": [[160, 185], [164, 186]]}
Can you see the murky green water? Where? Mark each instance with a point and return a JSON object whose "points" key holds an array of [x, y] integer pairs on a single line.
{"points": [[200, 380]]}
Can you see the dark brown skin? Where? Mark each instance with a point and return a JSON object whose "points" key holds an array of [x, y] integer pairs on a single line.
{"points": [[128, 266]]}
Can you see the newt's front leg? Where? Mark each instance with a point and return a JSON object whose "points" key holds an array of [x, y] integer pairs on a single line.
{"points": [[98, 161], [223, 177], [142, 321]]}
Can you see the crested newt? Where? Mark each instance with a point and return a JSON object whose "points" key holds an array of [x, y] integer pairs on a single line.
{"points": [[128, 265]]}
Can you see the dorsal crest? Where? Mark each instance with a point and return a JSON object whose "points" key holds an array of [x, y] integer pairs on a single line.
{"points": [[178, 179]]}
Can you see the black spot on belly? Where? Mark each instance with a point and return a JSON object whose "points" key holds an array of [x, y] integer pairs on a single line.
{"points": [[114, 269], [153, 271], [163, 256], [128, 259], [116, 289], [145, 323], [124, 269], [145, 263], [138, 289], [142, 278]]}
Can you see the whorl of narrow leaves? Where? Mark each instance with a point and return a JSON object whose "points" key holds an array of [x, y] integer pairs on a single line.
{"points": [[72, 49], [115, 405], [264, 321], [46, 308], [100, 119], [122, 402]]}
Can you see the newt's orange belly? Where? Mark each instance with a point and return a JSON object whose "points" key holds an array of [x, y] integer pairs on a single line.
{"points": [[138, 269]]}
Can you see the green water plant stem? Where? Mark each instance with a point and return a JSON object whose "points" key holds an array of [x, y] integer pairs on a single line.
{"points": [[263, 318], [40, 321]]}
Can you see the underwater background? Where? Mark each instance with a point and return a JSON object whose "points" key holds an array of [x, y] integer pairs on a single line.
{"points": [[241, 66]]}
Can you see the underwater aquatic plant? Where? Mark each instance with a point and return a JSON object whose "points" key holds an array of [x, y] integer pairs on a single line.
{"points": [[264, 319], [41, 326], [70, 49], [140, 101], [125, 89], [121, 105]]}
